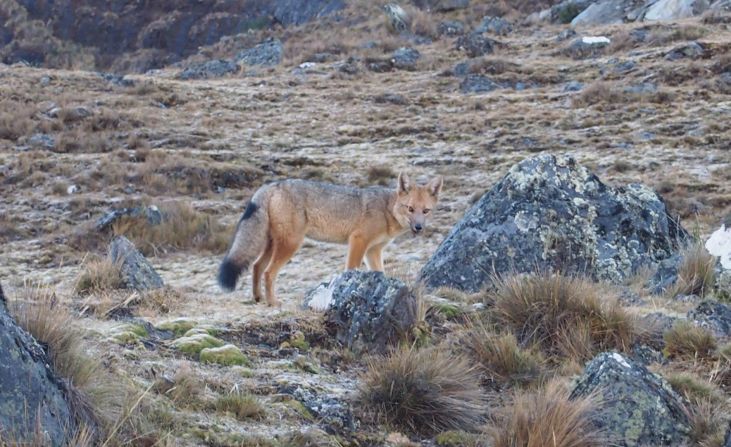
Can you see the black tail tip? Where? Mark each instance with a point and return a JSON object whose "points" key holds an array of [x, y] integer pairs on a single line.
{"points": [[228, 273]]}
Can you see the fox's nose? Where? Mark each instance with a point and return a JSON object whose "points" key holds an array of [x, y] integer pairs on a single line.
{"points": [[418, 227]]}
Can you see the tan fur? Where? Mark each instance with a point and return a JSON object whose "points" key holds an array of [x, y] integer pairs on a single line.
{"points": [[366, 219]]}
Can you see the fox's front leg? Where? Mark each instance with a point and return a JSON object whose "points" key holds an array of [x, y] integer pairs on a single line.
{"points": [[356, 250], [374, 257]]}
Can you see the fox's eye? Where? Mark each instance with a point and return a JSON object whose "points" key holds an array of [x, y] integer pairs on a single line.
{"points": [[426, 210], [411, 209]]}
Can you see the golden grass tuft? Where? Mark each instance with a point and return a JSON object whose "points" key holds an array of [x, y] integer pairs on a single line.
{"points": [[98, 275], [182, 228], [565, 316], [696, 275], [423, 391], [501, 358], [242, 406], [546, 417], [687, 341]]}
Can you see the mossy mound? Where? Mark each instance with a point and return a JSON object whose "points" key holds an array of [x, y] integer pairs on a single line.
{"points": [[226, 355]]}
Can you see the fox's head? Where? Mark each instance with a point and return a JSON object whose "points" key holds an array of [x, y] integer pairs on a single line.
{"points": [[415, 203]]}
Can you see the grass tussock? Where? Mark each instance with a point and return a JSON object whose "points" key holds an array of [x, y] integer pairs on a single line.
{"points": [[423, 391], [687, 341], [708, 422], [546, 417], [502, 359], [381, 175], [696, 274], [182, 228], [38, 311], [565, 316], [185, 389], [98, 275], [242, 406]]}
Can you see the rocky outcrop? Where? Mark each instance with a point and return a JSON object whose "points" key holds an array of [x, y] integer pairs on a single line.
{"points": [[119, 29], [549, 213], [637, 407], [605, 12], [151, 214], [267, 54], [136, 271], [367, 311], [587, 46], [30, 393]]}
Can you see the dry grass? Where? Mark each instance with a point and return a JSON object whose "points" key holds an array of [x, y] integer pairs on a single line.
{"points": [[687, 341], [502, 359], [565, 316], [708, 422], [182, 228], [242, 406], [546, 417], [98, 275], [696, 275], [38, 311], [185, 389], [381, 175], [423, 391]]}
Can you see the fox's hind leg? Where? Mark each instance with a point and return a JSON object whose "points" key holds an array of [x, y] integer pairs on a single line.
{"points": [[282, 251], [258, 269]]}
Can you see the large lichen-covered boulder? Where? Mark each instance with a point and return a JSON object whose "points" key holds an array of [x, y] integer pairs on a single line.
{"points": [[549, 213], [368, 311], [136, 271], [31, 395], [636, 407], [712, 315]]}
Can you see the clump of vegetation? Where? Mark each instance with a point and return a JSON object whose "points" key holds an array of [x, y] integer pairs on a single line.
{"points": [[501, 358], [565, 316], [182, 228], [240, 405], [98, 275], [546, 417], [423, 391], [688, 341], [696, 274], [381, 175]]}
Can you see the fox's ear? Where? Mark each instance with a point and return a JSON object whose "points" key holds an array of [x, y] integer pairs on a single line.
{"points": [[404, 183], [435, 185]]}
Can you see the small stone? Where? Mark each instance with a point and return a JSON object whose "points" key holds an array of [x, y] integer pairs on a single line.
{"points": [[494, 25], [226, 355], [42, 141], [136, 271], [451, 28], [72, 189], [475, 83], [712, 315], [475, 45], [405, 58]]}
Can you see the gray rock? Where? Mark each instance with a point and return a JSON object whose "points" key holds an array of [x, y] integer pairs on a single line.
{"points": [[475, 83], [475, 45], [572, 86], [549, 213], [605, 12], [643, 88], [136, 271], [69, 114], [665, 276], [267, 53], [297, 12], [494, 25], [451, 28], [638, 407], [587, 46], [675, 9], [368, 311], [712, 315], [210, 69], [462, 69], [118, 80], [31, 395], [348, 66], [151, 213], [692, 50], [42, 141], [566, 34], [450, 5], [566, 11], [332, 413], [405, 58]]}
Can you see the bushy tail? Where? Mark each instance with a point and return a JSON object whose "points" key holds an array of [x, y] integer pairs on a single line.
{"points": [[249, 242]]}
